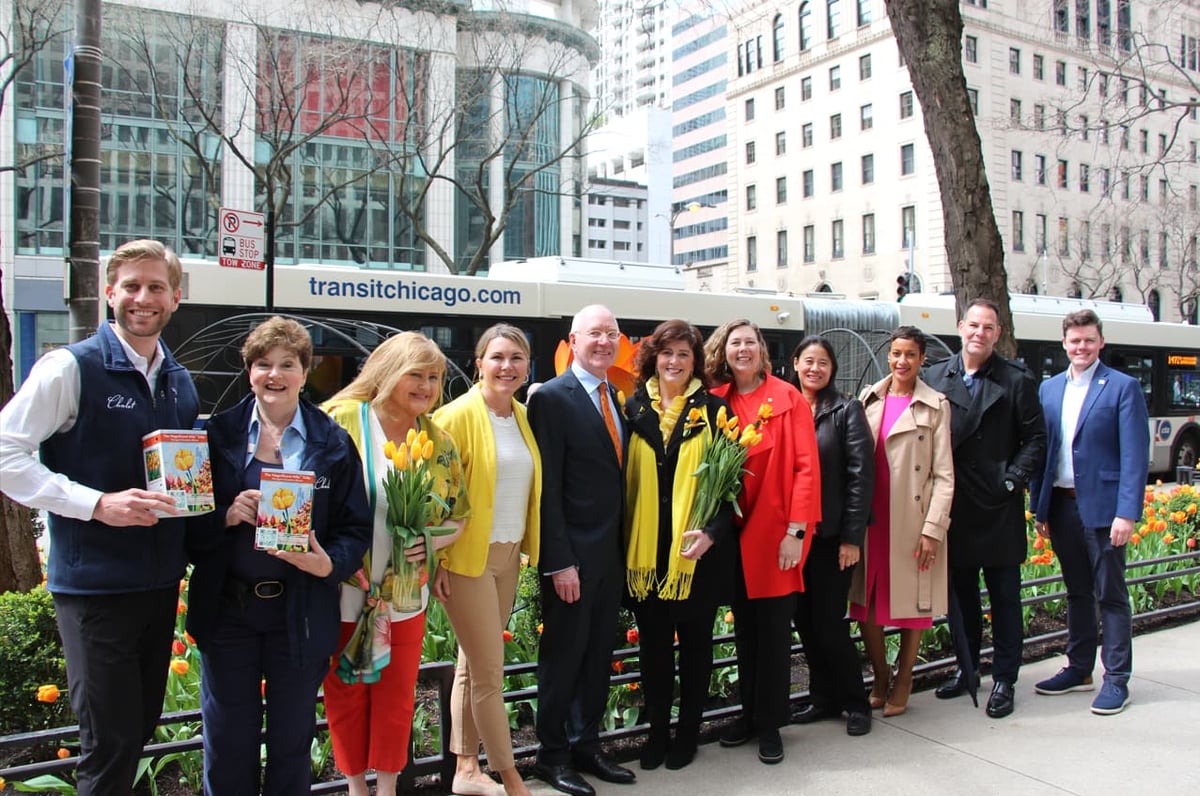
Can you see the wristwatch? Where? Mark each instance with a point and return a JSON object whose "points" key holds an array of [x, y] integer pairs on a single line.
{"points": [[1010, 485], [796, 532]]}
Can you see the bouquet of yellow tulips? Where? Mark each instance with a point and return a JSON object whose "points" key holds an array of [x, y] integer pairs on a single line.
{"points": [[411, 491], [721, 467]]}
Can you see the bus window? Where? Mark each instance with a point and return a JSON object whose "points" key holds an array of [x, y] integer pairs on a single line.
{"points": [[1184, 386], [1140, 366]]}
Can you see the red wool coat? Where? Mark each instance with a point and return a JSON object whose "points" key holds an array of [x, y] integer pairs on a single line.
{"points": [[783, 485]]}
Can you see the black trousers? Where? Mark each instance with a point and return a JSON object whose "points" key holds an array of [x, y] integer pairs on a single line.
{"points": [[118, 649], [835, 679], [658, 623], [1008, 633], [762, 633], [575, 664]]}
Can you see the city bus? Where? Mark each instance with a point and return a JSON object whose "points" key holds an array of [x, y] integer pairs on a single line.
{"points": [[359, 307]]}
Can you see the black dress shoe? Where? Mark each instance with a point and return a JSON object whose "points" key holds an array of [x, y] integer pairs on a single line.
{"points": [[681, 753], [858, 723], [737, 733], [1002, 700], [956, 686], [604, 767], [810, 713], [770, 747], [563, 778]]}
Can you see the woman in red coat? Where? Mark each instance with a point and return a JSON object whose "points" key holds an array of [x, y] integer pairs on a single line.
{"points": [[780, 503]]}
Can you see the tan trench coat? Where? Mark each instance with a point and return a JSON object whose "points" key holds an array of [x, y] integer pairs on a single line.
{"points": [[921, 465]]}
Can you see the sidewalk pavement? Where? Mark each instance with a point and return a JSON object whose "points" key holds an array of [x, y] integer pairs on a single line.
{"points": [[1049, 745]]}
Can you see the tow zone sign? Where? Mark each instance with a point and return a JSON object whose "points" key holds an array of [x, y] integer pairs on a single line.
{"points": [[241, 239]]}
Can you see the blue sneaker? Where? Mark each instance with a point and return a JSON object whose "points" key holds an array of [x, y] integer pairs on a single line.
{"points": [[1066, 681], [1111, 700]]}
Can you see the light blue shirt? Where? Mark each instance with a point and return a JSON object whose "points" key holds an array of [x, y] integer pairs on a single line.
{"points": [[1072, 404], [592, 385], [291, 446]]}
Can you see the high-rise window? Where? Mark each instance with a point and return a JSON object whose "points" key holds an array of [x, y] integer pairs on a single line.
{"points": [[805, 89], [751, 197], [838, 234], [805, 26], [781, 249], [833, 18], [866, 118], [780, 98], [1015, 158], [780, 143], [780, 190], [864, 67], [1085, 178], [835, 177], [835, 78], [810, 243], [908, 227], [1039, 67], [806, 135], [835, 127], [971, 50], [1014, 60], [907, 159], [1018, 231], [906, 104], [806, 179], [868, 169], [868, 233], [752, 253], [777, 47]]}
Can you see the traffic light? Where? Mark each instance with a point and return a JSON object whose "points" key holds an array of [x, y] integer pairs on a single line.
{"points": [[902, 287]]}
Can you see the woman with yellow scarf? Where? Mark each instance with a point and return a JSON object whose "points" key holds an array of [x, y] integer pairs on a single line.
{"points": [[675, 575]]}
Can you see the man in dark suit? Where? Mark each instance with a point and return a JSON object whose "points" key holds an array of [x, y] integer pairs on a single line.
{"points": [[1087, 500], [576, 420], [999, 439]]}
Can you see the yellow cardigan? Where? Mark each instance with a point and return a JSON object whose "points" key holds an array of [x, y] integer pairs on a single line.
{"points": [[466, 420]]}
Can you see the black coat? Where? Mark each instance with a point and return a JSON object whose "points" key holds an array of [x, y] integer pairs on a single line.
{"points": [[998, 435], [847, 455], [713, 581]]}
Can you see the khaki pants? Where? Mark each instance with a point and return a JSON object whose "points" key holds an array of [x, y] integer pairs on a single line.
{"points": [[478, 609]]}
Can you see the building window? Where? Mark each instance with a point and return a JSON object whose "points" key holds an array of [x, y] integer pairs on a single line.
{"points": [[1060, 73], [1039, 67], [1039, 233], [805, 26], [1085, 240], [1145, 141], [907, 160], [1014, 112], [1014, 60], [805, 89], [1104, 181], [1015, 158], [807, 183], [868, 169], [1084, 127], [835, 78], [838, 233], [864, 13], [1018, 231], [906, 104], [1039, 117], [752, 253], [1063, 173], [1064, 237], [971, 50], [1082, 73], [780, 190], [866, 117], [1105, 241], [973, 99], [1193, 199], [1039, 169], [750, 109], [751, 197], [780, 143], [810, 244], [806, 135], [835, 127], [1062, 23], [908, 227], [781, 253], [780, 99], [777, 42], [835, 177], [1085, 175], [864, 65], [1144, 246], [868, 233], [1145, 188], [1162, 144], [750, 152], [833, 18]]}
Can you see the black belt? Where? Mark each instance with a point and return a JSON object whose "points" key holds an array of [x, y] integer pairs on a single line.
{"points": [[1065, 491], [243, 590]]}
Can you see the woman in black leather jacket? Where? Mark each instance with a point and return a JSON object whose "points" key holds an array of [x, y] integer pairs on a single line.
{"points": [[847, 481]]}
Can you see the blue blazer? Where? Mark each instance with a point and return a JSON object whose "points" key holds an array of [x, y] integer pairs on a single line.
{"points": [[1110, 452]]}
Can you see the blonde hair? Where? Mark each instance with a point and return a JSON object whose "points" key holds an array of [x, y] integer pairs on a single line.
{"points": [[391, 360], [277, 332], [145, 249], [715, 364]]}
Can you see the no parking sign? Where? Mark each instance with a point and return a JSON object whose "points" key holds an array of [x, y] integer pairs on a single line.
{"points": [[241, 239]]}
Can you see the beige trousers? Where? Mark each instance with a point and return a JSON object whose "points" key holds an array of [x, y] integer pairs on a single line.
{"points": [[478, 609]]}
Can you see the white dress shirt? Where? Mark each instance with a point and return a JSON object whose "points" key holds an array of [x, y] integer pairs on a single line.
{"points": [[1072, 404]]}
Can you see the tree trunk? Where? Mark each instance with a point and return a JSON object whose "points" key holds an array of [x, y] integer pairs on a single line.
{"points": [[20, 569], [929, 34]]}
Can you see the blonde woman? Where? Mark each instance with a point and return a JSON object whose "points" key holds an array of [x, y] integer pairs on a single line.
{"points": [[370, 708], [477, 580]]}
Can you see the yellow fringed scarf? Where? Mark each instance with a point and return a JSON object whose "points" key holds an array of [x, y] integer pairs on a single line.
{"points": [[641, 516]]}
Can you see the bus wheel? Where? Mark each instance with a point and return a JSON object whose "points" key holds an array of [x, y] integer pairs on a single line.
{"points": [[1186, 449]]}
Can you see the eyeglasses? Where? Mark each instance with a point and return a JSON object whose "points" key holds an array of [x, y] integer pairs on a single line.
{"points": [[599, 334]]}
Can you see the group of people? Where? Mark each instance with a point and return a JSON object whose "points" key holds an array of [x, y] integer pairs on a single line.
{"points": [[844, 502]]}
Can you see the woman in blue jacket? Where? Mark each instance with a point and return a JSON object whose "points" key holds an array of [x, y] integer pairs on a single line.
{"points": [[266, 623]]}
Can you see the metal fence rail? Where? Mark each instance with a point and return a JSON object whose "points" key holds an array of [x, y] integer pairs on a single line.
{"points": [[441, 676]]}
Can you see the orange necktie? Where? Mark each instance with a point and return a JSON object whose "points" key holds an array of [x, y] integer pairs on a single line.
{"points": [[609, 423]]}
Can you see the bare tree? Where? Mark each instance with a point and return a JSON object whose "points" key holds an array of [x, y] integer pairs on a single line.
{"points": [[929, 34], [35, 26]]}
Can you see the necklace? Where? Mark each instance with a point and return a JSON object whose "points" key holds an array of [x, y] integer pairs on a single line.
{"points": [[277, 433], [898, 393]]}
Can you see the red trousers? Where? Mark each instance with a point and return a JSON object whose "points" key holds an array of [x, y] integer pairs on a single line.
{"points": [[371, 724]]}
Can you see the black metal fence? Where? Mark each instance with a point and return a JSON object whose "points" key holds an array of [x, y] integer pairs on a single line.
{"points": [[441, 676]]}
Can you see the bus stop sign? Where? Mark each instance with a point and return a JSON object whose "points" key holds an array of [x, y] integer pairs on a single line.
{"points": [[241, 239]]}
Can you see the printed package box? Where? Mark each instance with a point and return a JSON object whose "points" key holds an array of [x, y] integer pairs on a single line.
{"points": [[285, 510], [177, 464]]}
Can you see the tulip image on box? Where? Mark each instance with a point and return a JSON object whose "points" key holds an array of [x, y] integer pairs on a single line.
{"points": [[177, 464], [284, 510]]}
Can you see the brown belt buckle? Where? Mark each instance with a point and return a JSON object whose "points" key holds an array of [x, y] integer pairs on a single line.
{"points": [[268, 589]]}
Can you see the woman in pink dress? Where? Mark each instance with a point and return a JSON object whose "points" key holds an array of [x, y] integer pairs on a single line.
{"points": [[901, 579]]}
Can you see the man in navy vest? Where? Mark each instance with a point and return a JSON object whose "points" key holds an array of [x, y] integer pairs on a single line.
{"points": [[115, 567]]}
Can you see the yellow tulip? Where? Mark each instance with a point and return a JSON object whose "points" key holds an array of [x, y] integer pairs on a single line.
{"points": [[732, 422], [410, 436], [184, 459], [389, 449], [283, 498], [731, 433], [427, 449], [695, 415], [746, 435], [400, 460], [765, 411], [421, 439], [722, 417]]}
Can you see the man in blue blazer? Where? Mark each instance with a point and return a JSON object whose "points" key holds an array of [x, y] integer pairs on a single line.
{"points": [[1087, 500], [576, 419]]}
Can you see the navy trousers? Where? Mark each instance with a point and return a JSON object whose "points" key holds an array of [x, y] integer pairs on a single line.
{"points": [[251, 644], [1094, 573], [1008, 632], [118, 649]]}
